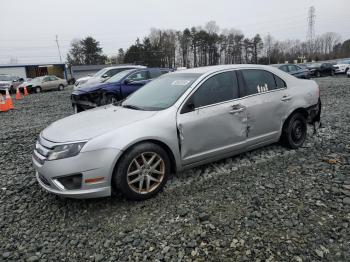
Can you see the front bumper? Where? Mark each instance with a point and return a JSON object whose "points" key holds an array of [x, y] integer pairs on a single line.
{"points": [[91, 165]]}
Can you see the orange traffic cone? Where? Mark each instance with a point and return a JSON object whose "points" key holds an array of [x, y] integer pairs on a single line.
{"points": [[3, 107], [8, 101], [18, 94], [25, 91]]}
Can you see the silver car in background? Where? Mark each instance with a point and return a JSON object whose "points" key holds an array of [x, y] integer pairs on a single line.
{"points": [[178, 121], [102, 75], [45, 83]]}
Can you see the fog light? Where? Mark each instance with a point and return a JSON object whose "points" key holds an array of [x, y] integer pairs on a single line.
{"points": [[71, 182]]}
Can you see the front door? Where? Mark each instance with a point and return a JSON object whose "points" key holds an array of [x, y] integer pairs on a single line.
{"points": [[208, 124]]}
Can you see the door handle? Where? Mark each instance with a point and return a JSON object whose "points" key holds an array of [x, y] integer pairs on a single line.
{"points": [[286, 98]]}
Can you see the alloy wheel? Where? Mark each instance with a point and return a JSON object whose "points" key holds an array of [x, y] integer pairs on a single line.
{"points": [[146, 172]]}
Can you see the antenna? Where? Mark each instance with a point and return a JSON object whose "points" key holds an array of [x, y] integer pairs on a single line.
{"points": [[58, 47], [311, 28]]}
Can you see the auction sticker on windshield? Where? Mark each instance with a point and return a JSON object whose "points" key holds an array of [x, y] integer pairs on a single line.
{"points": [[180, 82]]}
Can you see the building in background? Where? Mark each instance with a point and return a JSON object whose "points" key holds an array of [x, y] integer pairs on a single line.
{"points": [[35, 70]]}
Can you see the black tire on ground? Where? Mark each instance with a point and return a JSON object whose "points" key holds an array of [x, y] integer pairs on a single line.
{"points": [[60, 88], [318, 74], [37, 89], [346, 70], [120, 176], [294, 131], [332, 73]]}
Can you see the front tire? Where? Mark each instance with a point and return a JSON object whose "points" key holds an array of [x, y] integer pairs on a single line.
{"points": [[318, 74], [332, 73], [142, 171], [294, 131], [60, 87]]}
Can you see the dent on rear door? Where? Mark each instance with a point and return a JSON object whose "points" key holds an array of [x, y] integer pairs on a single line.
{"points": [[264, 113]]}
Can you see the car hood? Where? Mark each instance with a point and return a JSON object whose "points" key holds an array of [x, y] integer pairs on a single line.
{"points": [[93, 123], [84, 78], [91, 81], [93, 88]]}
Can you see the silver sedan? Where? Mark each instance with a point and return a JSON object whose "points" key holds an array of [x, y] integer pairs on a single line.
{"points": [[178, 121]]}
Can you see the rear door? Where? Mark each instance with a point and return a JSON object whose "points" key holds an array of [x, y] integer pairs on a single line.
{"points": [[264, 96], [209, 125]]}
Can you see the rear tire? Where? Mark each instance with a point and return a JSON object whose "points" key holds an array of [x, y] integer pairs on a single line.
{"points": [[294, 131], [60, 87], [142, 171], [332, 73], [318, 74]]}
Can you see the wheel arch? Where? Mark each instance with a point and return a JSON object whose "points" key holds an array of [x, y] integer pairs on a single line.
{"points": [[300, 110], [173, 166]]}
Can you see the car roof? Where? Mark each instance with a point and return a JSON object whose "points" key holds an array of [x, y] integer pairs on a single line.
{"points": [[125, 66], [212, 69]]}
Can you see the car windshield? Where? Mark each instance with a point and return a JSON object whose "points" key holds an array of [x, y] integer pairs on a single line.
{"points": [[5, 78], [100, 72], [119, 76], [162, 92]]}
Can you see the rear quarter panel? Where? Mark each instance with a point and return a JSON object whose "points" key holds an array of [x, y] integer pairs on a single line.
{"points": [[304, 94]]}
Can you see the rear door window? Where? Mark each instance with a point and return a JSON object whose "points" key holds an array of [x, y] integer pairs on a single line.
{"points": [[258, 81], [279, 82]]}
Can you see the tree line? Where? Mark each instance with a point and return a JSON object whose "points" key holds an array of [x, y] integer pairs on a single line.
{"points": [[210, 45]]}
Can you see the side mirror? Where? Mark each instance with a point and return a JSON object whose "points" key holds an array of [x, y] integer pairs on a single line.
{"points": [[105, 76], [127, 81], [15, 81], [189, 107]]}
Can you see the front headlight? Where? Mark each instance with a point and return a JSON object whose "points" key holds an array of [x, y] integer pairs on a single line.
{"points": [[65, 151]]}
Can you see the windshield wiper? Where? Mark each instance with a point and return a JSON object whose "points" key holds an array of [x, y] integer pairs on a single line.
{"points": [[132, 107]]}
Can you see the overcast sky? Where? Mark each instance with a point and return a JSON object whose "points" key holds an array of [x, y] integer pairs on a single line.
{"points": [[28, 28]]}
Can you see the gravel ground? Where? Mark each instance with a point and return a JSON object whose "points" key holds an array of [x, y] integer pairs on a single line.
{"points": [[270, 204]]}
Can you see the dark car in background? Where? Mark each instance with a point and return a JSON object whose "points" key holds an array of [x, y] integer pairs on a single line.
{"points": [[102, 75], [321, 69], [116, 88], [294, 70]]}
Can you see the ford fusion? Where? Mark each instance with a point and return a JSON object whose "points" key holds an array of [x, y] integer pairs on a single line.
{"points": [[178, 121]]}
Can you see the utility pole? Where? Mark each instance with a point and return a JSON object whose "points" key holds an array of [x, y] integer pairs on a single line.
{"points": [[311, 29], [58, 47]]}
